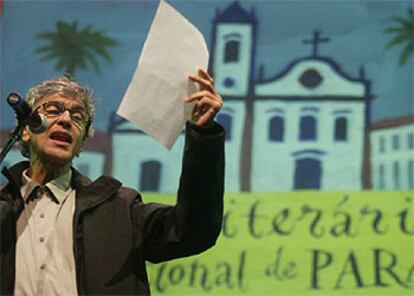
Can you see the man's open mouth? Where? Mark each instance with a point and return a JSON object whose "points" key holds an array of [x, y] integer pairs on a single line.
{"points": [[61, 137]]}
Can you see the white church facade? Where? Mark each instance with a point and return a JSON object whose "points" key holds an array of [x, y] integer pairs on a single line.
{"points": [[309, 128], [304, 128]]}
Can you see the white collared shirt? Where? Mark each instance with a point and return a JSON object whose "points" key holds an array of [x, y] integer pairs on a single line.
{"points": [[45, 263]]}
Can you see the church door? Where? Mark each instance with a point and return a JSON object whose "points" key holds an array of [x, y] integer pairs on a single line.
{"points": [[308, 174]]}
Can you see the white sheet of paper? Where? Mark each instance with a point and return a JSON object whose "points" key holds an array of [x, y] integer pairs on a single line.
{"points": [[174, 49]]}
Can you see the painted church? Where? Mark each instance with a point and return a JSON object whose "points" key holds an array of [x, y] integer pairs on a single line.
{"points": [[306, 127], [303, 128]]}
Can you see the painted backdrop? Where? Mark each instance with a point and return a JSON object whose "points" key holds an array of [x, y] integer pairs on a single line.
{"points": [[319, 118]]}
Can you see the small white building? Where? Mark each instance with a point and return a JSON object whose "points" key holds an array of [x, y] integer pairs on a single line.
{"points": [[392, 154], [142, 163]]}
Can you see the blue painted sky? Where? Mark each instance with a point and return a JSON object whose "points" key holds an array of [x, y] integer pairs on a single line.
{"points": [[355, 28]]}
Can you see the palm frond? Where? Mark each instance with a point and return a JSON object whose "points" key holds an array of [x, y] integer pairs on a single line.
{"points": [[400, 38], [393, 30], [403, 22], [403, 31], [91, 58], [408, 49], [75, 48]]}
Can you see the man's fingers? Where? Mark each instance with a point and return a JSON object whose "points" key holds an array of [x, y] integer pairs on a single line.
{"points": [[205, 110], [198, 95], [195, 114], [203, 82], [203, 117], [206, 75], [207, 101]]}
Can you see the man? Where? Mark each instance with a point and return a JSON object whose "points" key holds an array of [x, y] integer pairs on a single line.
{"points": [[62, 234]]}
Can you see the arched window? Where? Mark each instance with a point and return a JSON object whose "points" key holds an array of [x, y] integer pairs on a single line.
{"points": [[341, 129], [232, 51], [227, 122], [150, 176], [276, 129], [307, 128]]}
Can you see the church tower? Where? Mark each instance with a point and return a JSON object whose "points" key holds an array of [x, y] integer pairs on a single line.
{"points": [[232, 50], [232, 64]]}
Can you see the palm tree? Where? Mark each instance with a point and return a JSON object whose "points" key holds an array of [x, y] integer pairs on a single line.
{"points": [[403, 29], [73, 49]]}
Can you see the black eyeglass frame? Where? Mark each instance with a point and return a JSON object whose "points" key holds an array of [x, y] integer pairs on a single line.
{"points": [[61, 108]]}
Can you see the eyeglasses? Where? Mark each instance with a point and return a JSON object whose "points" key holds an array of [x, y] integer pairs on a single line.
{"points": [[54, 109]]}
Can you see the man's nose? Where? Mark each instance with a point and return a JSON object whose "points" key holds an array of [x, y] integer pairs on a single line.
{"points": [[65, 119], [66, 115]]}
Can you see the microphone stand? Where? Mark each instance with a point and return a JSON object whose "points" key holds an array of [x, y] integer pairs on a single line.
{"points": [[14, 136], [15, 101]]}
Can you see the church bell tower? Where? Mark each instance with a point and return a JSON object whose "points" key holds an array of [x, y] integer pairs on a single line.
{"points": [[232, 64], [233, 50]]}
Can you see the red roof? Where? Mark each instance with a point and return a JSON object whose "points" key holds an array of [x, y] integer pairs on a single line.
{"points": [[392, 122]]}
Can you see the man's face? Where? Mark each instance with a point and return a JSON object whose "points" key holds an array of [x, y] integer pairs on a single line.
{"points": [[63, 138]]}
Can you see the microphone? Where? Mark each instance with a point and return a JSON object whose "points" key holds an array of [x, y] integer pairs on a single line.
{"points": [[37, 122]]}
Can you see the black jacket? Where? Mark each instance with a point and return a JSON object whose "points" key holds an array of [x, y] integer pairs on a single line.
{"points": [[115, 232]]}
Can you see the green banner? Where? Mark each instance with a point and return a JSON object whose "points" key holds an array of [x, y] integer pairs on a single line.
{"points": [[301, 243]]}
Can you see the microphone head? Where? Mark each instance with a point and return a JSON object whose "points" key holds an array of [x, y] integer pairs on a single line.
{"points": [[14, 98], [21, 108], [39, 125]]}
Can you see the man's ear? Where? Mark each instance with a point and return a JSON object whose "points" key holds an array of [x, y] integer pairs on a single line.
{"points": [[26, 136]]}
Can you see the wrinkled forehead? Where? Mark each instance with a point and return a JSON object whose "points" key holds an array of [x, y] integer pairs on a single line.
{"points": [[68, 100]]}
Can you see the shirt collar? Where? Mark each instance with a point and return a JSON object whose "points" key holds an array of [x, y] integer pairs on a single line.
{"points": [[60, 187], [27, 185]]}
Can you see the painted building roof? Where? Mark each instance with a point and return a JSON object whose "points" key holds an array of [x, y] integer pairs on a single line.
{"points": [[314, 76], [234, 13], [392, 122]]}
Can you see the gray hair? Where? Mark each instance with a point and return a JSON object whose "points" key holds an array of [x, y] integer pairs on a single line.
{"points": [[68, 87]]}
